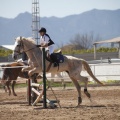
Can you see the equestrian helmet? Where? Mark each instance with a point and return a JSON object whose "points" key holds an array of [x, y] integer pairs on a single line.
{"points": [[42, 30]]}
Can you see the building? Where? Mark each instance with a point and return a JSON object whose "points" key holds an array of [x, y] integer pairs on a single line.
{"points": [[9, 57], [7, 47]]}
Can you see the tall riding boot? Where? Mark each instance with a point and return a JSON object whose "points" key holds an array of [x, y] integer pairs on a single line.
{"points": [[54, 59]]}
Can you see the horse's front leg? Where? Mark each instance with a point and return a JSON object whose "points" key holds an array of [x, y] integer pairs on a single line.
{"points": [[34, 70]]}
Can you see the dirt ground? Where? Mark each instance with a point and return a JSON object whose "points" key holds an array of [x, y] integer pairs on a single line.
{"points": [[105, 105]]}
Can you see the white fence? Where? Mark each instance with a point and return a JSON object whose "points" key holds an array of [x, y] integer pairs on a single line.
{"points": [[102, 71], [105, 71]]}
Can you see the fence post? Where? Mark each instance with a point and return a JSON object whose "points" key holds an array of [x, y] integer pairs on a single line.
{"points": [[95, 56], [44, 77], [34, 96], [29, 92]]}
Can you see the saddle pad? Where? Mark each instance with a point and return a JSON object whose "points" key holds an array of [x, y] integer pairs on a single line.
{"points": [[60, 57]]}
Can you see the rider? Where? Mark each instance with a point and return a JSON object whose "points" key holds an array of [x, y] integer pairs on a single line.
{"points": [[45, 41]]}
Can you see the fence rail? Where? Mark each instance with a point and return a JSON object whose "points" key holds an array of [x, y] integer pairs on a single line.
{"points": [[103, 71]]}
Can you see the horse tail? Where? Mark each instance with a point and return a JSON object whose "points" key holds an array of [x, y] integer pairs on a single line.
{"points": [[87, 68]]}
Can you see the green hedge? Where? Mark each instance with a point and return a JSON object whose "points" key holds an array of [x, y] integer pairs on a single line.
{"points": [[4, 53], [101, 49]]}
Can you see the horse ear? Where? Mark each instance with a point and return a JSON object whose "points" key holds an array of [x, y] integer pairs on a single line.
{"points": [[20, 37]]}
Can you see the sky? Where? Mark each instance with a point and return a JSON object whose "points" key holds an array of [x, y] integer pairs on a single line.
{"points": [[58, 8]]}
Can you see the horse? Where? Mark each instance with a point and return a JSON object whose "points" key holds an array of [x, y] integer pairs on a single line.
{"points": [[11, 74], [71, 65], [8, 75]]}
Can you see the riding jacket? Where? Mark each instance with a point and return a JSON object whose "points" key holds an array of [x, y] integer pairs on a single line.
{"points": [[46, 39]]}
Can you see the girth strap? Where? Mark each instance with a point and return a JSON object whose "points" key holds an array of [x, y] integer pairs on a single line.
{"points": [[49, 66]]}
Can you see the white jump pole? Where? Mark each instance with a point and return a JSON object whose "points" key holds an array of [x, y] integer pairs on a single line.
{"points": [[38, 98], [40, 95], [36, 85]]}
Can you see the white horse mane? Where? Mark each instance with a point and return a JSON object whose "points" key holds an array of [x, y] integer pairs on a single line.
{"points": [[27, 39]]}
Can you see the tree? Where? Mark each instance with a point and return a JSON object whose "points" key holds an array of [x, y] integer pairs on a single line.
{"points": [[83, 41]]}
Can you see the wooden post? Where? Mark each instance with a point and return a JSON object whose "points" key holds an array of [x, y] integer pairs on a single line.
{"points": [[95, 52], [29, 92], [44, 77]]}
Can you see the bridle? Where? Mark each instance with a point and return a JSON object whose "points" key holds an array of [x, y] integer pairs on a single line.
{"points": [[21, 45]]}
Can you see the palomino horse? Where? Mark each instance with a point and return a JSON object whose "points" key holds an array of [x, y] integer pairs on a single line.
{"points": [[71, 65]]}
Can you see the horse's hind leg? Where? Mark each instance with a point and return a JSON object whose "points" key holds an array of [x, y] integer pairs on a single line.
{"points": [[85, 80], [5, 88], [74, 77], [78, 87], [8, 86], [13, 91]]}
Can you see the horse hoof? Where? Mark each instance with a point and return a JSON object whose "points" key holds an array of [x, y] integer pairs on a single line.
{"points": [[77, 106], [79, 100], [15, 94]]}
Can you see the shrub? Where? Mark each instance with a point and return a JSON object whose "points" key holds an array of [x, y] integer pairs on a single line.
{"points": [[82, 51], [4, 53]]}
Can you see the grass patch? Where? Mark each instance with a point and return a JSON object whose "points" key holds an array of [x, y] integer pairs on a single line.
{"points": [[68, 84], [20, 85], [112, 81]]}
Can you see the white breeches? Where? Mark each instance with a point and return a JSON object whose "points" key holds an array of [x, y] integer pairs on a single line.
{"points": [[51, 49]]}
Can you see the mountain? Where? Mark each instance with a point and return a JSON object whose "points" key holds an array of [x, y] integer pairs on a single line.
{"points": [[105, 23]]}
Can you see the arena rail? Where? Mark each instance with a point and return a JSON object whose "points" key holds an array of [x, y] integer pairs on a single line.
{"points": [[14, 67]]}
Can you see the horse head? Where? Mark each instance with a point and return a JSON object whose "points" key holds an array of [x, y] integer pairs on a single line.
{"points": [[18, 47], [21, 45]]}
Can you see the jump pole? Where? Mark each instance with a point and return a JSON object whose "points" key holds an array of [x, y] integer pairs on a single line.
{"points": [[44, 77]]}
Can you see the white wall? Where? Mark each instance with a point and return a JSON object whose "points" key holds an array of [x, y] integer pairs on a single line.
{"points": [[105, 71]]}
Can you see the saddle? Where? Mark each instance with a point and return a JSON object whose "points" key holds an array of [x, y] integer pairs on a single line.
{"points": [[55, 58], [59, 57]]}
